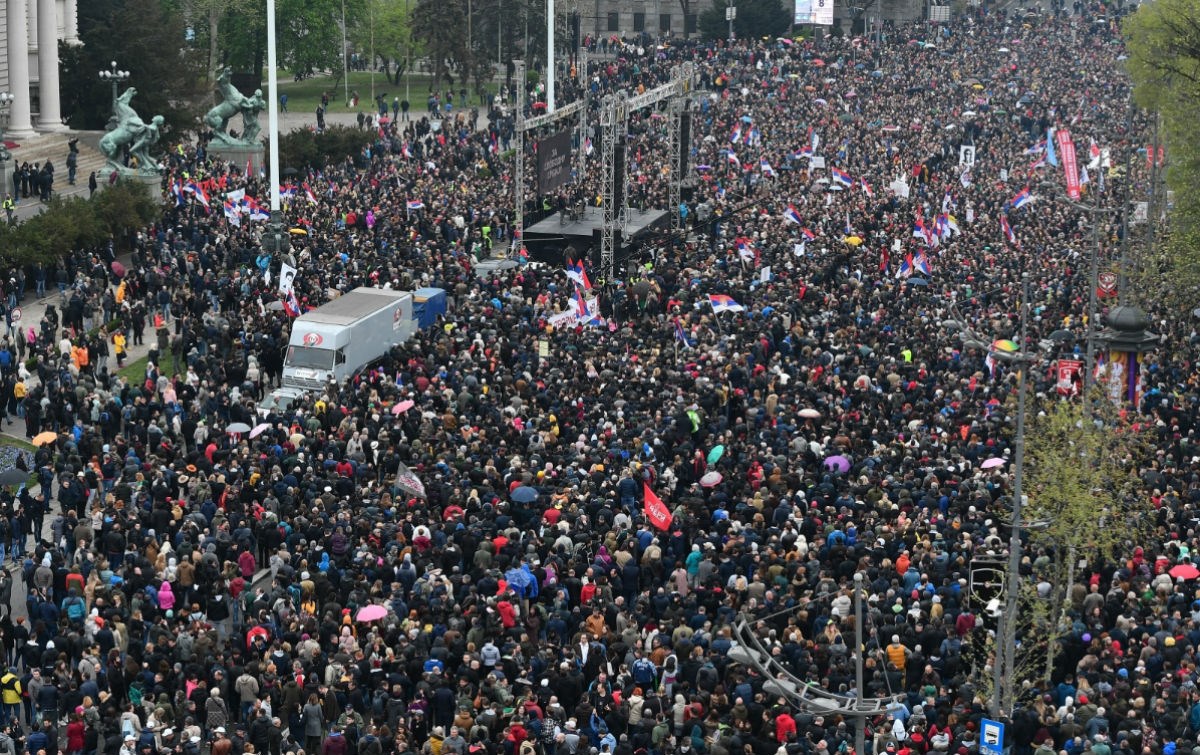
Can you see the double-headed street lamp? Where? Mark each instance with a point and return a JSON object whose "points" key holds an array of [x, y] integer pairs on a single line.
{"points": [[117, 77]]}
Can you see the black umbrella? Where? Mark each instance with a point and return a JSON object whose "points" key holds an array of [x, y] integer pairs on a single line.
{"points": [[290, 172], [13, 477]]}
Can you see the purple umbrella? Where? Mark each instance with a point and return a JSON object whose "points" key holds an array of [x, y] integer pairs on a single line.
{"points": [[837, 464], [993, 462]]}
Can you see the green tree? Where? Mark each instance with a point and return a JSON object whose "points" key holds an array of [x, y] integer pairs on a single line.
{"points": [[1163, 40], [1082, 483], [310, 33], [146, 38], [755, 18], [125, 207], [384, 28], [439, 27]]}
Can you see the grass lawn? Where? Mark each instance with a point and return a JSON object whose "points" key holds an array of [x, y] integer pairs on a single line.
{"points": [[135, 371], [19, 444], [304, 96]]}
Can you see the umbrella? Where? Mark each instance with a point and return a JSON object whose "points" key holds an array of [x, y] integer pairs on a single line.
{"points": [[993, 462], [274, 306], [237, 428], [837, 464], [118, 269], [817, 62], [42, 439], [373, 612], [409, 482], [891, 129], [525, 494], [14, 477], [1185, 571], [297, 231], [853, 240], [918, 282], [715, 454], [821, 101], [1004, 345], [711, 479], [809, 413], [259, 429], [403, 406], [290, 171], [747, 119]]}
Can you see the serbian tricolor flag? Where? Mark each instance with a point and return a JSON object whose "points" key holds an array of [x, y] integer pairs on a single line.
{"points": [[177, 192], [291, 305], [578, 273], [790, 215], [733, 158], [656, 511], [765, 168], [884, 260], [724, 303], [1022, 198], [405, 150], [809, 235], [866, 187], [308, 193], [906, 267], [921, 263], [736, 136], [842, 178], [1008, 231], [198, 192], [414, 204]]}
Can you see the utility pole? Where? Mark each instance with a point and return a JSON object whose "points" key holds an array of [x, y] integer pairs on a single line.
{"points": [[1002, 673], [860, 724]]}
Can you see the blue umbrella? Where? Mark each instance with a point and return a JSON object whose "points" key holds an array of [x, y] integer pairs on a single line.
{"points": [[918, 282], [747, 119], [525, 494]]}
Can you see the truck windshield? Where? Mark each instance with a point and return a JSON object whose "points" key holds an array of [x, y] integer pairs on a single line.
{"points": [[303, 356]]}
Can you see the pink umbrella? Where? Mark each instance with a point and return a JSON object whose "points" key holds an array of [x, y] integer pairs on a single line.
{"points": [[993, 462], [711, 479], [403, 406], [1185, 571], [372, 612], [260, 429]]}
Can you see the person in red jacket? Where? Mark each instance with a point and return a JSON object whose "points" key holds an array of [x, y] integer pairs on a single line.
{"points": [[75, 735], [785, 725]]}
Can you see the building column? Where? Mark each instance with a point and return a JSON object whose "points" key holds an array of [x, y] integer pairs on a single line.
{"points": [[71, 22], [49, 119], [31, 12], [20, 123]]}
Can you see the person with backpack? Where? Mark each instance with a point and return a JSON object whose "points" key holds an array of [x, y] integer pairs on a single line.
{"points": [[74, 608], [10, 696]]}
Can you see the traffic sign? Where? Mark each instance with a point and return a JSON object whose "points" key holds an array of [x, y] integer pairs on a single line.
{"points": [[992, 741], [15, 315]]}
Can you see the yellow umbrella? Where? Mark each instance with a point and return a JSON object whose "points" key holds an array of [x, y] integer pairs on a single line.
{"points": [[977, 86], [853, 240], [42, 439], [298, 232]]}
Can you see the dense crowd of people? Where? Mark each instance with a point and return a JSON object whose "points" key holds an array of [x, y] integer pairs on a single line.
{"points": [[188, 587]]}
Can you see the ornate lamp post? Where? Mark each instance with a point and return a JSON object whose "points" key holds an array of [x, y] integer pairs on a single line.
{"points": [[6, 100], [117, 77]]}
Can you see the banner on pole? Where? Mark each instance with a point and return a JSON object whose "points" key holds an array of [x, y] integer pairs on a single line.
{"points": [[1066, 153]]}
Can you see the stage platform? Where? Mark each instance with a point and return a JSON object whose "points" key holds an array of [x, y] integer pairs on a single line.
{"points": [[549, 240]]}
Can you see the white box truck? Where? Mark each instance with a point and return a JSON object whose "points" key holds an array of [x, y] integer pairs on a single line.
{"points": [[336, 340]]}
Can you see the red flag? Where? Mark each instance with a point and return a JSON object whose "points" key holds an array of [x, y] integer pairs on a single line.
{"points": [[655, 510]]}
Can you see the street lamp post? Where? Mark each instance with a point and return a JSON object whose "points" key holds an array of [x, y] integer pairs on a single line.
{"points": [[117, 77], [6, 100]]}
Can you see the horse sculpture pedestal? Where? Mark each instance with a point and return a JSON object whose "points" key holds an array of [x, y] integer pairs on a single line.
{"points": [[239, 155], [152, 181]]}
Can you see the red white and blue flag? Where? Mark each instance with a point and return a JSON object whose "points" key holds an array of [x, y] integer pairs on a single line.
{"points": [[842, 178], [866, 187], [906, 267], [291, 305], [921, 263], [1008, 231], [724, 303], [790, 215], [578, 273], [1022, 198]]}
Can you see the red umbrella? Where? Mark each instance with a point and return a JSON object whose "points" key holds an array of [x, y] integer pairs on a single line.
{"points": [[118, 269], [1185, 571]]}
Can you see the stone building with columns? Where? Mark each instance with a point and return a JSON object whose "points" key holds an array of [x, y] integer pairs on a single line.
{"points": [[29, 65]]}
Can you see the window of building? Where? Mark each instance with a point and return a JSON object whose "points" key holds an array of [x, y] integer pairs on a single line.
{"points": [[691, 23], [639, 22], [664, 22], [614, 21]]}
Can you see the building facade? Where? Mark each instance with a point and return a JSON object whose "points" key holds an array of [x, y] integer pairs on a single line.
{"points": [[29, 65], [629, 18]]}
